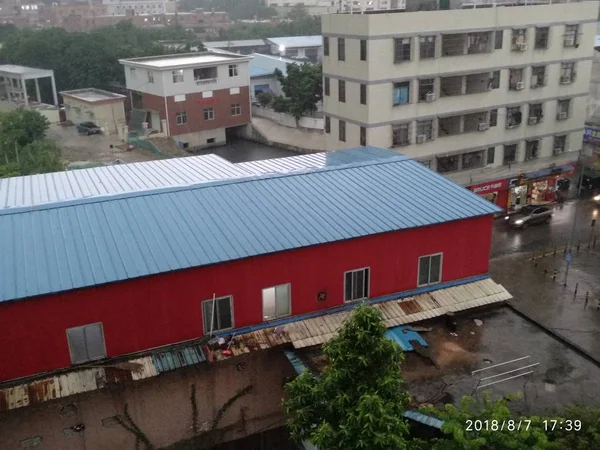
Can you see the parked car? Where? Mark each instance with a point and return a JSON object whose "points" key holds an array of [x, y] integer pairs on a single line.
{"points": [[88, 128], [529, 215]]}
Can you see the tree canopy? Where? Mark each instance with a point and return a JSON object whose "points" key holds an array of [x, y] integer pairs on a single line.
{"points": [[303, 88]]}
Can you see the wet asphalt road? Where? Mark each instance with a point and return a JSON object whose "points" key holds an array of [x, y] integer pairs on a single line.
{"points": [[545, 236], [241, 150]]}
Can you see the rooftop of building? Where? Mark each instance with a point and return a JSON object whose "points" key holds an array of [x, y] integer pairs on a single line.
{"points": [[229, 44], [262, 65], [297, 41], [92, 95], [92, 241], [8, 70], [183, 60]]}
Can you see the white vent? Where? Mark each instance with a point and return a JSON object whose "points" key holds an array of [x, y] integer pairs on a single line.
{"points": [[430, 97], [483, 126], [533, 120], [520, 85], [421, 138], [561, 116]]}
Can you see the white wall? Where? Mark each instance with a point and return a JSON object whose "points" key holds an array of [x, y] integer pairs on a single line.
{"points": [[198, 139]]}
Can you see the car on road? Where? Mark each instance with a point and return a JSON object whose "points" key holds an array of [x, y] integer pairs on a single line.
{"points": [[529, 215], [88, 128]]}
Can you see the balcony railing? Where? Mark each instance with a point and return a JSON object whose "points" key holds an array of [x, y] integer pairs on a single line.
{"points": [[205, 80]]}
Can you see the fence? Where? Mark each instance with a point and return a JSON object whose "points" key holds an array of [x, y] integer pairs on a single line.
{"points": [[286, 120], [138, 142]]}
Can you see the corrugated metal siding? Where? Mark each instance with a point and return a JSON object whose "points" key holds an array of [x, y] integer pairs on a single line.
{"points": [[61, 248], [47, 188]]}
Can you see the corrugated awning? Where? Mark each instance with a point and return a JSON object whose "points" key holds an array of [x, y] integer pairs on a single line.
{"points": [[544, 173]]}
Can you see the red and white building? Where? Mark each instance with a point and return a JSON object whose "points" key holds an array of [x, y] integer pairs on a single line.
{"points": [[194, 98]]}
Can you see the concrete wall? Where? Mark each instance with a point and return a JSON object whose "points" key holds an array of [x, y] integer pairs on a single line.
{"points": [[270, 80], [200, 139], [160, 406], [288, 121], [107, 115]]}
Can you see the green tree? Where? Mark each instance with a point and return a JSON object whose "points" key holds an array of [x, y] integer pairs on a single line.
{"points": [[302, 86], [358, 401], [588, 437], [19, 128]]}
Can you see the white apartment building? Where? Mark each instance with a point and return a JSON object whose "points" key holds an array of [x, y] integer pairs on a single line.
{"points": [[120, 7], [481, 95]]}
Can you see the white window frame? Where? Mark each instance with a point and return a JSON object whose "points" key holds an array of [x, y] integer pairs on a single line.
{"points": [[83, 327], [277, 316], [236, 109], [177, 76], [210, 111], [233, 70], [178, 118], [216, 327], [429, 283], [362, 269]]}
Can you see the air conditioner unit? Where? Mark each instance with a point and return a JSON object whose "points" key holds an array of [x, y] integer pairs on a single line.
{"points": [[533, 120], [522, 46], [520, 85], [430, 97], [566, 80], [561, 116], [483, 126], [421, 138]]}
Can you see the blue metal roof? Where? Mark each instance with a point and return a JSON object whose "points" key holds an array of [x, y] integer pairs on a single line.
{"points": [[543, 173], [263, 65], [86, 242], [403, 335]]}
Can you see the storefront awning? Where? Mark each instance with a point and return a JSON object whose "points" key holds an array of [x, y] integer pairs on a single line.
{"points": [[544, 173]]}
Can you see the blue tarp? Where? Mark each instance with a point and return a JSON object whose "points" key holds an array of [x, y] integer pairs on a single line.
{"points": [[543, 173], [403, 335]]}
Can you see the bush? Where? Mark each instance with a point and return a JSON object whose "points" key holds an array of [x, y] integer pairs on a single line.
{"points": [[264, 98], [281, 104]]}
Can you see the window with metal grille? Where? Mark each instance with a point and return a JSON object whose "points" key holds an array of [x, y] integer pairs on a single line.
{"points": [[498, 38], [425, 128], [236, 109], [564, 107], [209, 113], [325, 46], [363, 94], [356, 284], [538, 76], [342, 131], [495, 80], [363, 50], [342, 91], [327, 124], [181, 118], [447, 164], [276, 301], [177, 76], [491, 155], [541, 37], [326, 85], [567, 72], [560, 144], [426, 47], [513, 117], [426, 86], [430, 269], [472, 160], [510, 154], [515, 79], [233, 70], [531, 150], [536, 111], [150, 77], [217, 314], [402, 49], [400, 134], [401, 93], [341, 49], [363, 136], [86, 343], [493, 118], [571, 36], [519, 39]]}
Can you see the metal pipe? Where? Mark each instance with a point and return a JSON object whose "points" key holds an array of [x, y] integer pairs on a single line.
{"points": [[501, 364], [504, 379], [510, 371]]}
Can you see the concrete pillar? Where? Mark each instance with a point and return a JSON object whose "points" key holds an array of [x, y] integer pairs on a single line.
{"points": [[24, 84], [163, 127], [38, 96], [54, 95]]}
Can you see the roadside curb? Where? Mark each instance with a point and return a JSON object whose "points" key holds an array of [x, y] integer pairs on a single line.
{"points": [[573, 346]]}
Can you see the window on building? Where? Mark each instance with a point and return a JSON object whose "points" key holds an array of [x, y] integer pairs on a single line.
{"points": [[363, 94], [425, 128], [563, 108], [342, 91], [341, 49], [327, 124], [538, 76], [495, 80], [519, 40], [426, 47], [536, 113], [493, 117], [86, 343], [236, 109], [325, 46], [233, 70], [541, 37], [498, 38], [132, 72], [447, 164], [513, 117], [560, 144], [276, 301], [491, 155], [342, 130], [209, 113], [571, 38], [205, 73], [326, 85], [363, 136], [401, 134], [531, 150], [356, 284], [363, 50], [150, 77], [181, 118], [515, 82], [426, 89], [402, 49], [177, 76], [222, 319], [510, 154], [430, 269], [567, 73], [401, 93], [473, 160]]}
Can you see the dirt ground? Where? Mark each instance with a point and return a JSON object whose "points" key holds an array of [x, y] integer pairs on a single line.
{"points": [[85, 150]]}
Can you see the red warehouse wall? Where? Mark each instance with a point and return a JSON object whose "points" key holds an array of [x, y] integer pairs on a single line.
{"points": [[163, 309]]}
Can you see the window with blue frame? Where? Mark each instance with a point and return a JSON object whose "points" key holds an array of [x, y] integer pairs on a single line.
{"points": [[401, 94]]}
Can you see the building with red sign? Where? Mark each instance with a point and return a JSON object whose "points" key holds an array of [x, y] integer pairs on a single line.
{"points": [[194, 98]]}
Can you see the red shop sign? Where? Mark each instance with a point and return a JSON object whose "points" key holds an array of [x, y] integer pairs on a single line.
{"points": [[492, 186]]}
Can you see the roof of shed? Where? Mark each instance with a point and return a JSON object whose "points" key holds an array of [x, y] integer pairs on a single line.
{"points": [[87, 242], [236, 43], [262, 65], [297, 41]]}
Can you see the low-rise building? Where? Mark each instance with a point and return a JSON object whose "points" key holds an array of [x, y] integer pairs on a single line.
{"points": [[105, 109], [301, 47], [119, 7], [242, 47], [262, 73], [193, 97]]}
